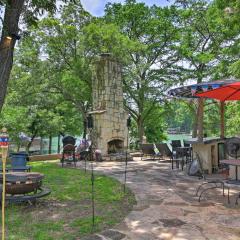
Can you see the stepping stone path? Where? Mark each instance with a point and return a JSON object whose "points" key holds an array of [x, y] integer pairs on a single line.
{"points": [[167, 208]]}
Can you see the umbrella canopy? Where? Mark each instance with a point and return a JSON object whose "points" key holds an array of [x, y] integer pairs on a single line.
{"points": [[191, 91], [226, 89], [229, 92]]}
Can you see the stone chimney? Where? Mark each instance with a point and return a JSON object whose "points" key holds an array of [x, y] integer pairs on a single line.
{"points": [[110, 118]]}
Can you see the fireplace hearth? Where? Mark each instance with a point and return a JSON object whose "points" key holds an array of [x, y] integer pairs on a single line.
{"points": [[115, 146]]}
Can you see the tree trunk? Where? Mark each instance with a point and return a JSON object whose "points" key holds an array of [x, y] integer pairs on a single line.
{"points": [[30, 143], [195, 125], [200, 119], [59, 144], [84, 126], [10, 26], [50, 145], [140, 129], [222, 131]]}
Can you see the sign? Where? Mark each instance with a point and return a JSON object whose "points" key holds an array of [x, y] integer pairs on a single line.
{"points": [[4, 141]]}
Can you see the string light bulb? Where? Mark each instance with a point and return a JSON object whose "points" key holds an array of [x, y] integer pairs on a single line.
{"points": [[13, 36], [9, 38]]}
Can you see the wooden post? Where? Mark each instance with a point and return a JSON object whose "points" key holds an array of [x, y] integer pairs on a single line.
{"points": [[200, 119], [222, 106], [4, 146]]}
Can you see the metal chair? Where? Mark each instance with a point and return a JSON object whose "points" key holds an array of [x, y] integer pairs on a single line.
{"points": [[68, 154], [189, 151], [215, 183], [175, 144]]}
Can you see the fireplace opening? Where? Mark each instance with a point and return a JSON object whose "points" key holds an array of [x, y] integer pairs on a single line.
{"points": [[115, 146]]}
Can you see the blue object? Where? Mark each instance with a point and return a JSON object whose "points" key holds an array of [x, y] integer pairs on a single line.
{"points": [[19, 160], [4, 139]]}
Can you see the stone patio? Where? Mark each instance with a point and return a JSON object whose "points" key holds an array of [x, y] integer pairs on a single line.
{"points": [[167, 208]]}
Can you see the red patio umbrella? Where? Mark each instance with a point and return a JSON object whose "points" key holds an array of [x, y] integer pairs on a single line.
{"points": [[229, 92]]}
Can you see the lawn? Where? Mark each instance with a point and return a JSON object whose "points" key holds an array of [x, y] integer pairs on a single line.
{"points": [[66, 214]]}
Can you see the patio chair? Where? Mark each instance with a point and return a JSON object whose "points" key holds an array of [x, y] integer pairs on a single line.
{"points": [[148, 151], [211, 183], [189, 151], [230, 148], [165, 151], [181, 153], [175, 144], [68, 154]]}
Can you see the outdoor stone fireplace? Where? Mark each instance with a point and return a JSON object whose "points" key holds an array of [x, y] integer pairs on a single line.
{"points": [[110, 118], [115, 146]]}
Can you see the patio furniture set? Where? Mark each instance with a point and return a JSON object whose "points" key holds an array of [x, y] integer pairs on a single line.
{"points": [[206, 151], [184, 156], [161, 151], [220, 177]]}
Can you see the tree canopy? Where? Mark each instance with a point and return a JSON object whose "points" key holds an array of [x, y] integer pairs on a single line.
{"points": [[158, 47]]}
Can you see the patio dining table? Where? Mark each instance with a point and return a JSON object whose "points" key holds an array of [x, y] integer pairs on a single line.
{"points": [[232, 162]]}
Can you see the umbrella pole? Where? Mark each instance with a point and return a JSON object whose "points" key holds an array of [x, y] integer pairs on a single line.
{"points": [[200, 119], [222, 106]]}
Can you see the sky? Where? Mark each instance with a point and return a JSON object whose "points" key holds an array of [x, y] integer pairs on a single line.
{"points": [[96, 7]]}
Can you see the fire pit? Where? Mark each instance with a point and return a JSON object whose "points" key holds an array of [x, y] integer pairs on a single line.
{"points": [[22, 182], [24, 186]]}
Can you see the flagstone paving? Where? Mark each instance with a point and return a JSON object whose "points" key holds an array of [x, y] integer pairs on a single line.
{"points": [[167, 207]]}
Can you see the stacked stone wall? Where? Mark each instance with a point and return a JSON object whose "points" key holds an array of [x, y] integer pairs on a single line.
{"points": [[110, 117]]}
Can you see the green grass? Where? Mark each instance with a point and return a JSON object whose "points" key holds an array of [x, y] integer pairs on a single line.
{"points": [[66, 214]]}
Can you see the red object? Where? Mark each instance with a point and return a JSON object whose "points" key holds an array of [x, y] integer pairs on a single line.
{"points": [[4, 141], [4, 144], [228, 92]]}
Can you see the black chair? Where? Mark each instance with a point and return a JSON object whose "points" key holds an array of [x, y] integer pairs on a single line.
{"points": [[68, 140], [166, 153], [181, 153], [175, 144], [186, 144], [68, 154], [189, 151], [148, 152]]}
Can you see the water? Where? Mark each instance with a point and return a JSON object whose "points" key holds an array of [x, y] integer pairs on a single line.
{"points": [[177, 137]]}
